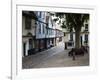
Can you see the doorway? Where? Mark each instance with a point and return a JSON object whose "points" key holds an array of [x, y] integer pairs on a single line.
{"points": [[81, 40], [24, 49]]}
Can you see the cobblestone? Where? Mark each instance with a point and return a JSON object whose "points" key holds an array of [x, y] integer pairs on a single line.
{"points": [[54, 57]]}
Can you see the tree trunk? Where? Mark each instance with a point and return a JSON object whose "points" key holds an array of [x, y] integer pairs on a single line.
{"points": [[77, 38]]}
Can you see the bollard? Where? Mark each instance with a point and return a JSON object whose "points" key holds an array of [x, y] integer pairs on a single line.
{"points": [[73, 56]]}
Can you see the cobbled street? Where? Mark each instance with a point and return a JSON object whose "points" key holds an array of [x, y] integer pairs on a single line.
{"points": [[54, 57]]}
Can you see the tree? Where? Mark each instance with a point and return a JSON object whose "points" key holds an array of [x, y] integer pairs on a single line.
{"points": [[76, 21]]}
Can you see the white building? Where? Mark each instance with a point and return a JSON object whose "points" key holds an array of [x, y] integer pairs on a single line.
{"points": [[28, 32], [84, 35]]}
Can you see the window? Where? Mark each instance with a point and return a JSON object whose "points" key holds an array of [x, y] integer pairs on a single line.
{"points": [[86, 27], [86, 38], [43, 28], [71, 36], [64, 34], [39, 28], [40, 14], [44, 15], [47, 31], [27, 23], [47, 19]]}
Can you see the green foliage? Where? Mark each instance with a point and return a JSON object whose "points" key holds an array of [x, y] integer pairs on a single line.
{"points": [[60, 15], [73, 20], [63, 26], [76, 20], [56, 19]]}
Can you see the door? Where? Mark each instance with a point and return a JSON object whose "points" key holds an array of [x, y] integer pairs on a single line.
{"points": [[81, 40], [30, 43], [24, 49]]}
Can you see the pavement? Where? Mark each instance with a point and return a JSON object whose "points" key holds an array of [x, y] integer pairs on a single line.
{"points": [[54, 57]]}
